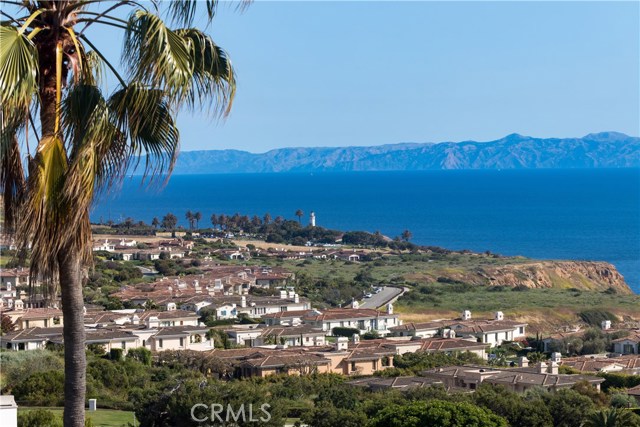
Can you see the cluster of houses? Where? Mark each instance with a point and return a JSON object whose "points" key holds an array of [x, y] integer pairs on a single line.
{"points": [[292, 337], [130, 249]]}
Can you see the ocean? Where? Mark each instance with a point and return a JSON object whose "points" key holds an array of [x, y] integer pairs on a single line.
{"points": [[573, 214]]}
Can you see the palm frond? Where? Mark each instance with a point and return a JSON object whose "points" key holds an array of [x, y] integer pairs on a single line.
{"points": [[93, 70], [12, 180], [183, 12], [213, 82], [144, 116], [156, 56], [42, 219], [18, 68]]}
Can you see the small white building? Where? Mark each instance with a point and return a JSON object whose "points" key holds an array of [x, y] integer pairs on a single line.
{"points": [[8, 411]]}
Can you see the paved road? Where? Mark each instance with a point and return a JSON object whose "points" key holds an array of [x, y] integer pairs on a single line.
{"points": [[377, 300]]}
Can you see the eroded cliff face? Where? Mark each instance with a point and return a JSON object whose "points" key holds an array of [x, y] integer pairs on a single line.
{"points": [[587, 275]]}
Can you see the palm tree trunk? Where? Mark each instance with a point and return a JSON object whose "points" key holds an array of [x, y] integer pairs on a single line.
{"points": [[75, 362]]}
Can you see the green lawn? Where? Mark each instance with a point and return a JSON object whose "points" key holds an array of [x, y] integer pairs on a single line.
{"points": [[101, 417]]}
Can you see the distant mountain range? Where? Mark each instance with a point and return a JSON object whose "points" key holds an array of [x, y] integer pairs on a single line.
{"points": [[596, 150]]}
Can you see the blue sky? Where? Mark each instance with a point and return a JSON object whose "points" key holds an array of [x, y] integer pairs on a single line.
{"points": [[371, 73]]}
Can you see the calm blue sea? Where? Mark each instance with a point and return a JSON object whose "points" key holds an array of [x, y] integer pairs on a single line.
{"points": [[581, 214]]}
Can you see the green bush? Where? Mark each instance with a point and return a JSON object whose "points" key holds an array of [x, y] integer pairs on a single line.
{"points": [[38, 418], [344, 332], [116, 354]]}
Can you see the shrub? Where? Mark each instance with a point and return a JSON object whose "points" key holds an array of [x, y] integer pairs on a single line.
{"points": [[344, 332], [38, 418]]}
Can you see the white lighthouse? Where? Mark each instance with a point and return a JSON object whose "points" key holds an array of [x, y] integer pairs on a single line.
{"points": [[312, 219]]}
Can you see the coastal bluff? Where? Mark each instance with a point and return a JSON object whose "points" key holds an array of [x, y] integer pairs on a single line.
{"points": [[584, 275]]}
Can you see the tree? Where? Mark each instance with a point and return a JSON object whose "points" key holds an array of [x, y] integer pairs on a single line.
{"points": [[189, 217], [299, 214], [612, 417], [267, 218], [437, 413], [6, 325], [406, 235], [169, 221], [155, 222], [88, 139], [197, 217]]}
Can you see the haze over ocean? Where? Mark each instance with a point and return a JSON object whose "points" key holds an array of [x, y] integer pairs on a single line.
{"points": [[579, 214]]}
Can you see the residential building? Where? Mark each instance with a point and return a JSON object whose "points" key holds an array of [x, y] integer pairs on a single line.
{"points": [[364, 320]]}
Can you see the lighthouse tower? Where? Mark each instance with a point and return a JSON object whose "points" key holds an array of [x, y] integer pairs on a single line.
{"points": [[312, 219]]}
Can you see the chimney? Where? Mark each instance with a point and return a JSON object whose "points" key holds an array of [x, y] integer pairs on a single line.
{"points": [[498, 315], [542, 368], [466, 315], [243, 301], [389, 308], [523, 362], [556, 357], [153, 322], [283, 294], [606, 325], [291, 294], [354, 303], [296, 298], [341, 344], [135, 320], [355, 338], [553, 368], [171, 306]]}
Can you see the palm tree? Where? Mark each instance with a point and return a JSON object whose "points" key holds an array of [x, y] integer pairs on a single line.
{"points": [[214, 220], [169, 221], [299, 214], [155, 222], [611, 417], [189, 217], [406, 235], [197, 217], [78, 140]]}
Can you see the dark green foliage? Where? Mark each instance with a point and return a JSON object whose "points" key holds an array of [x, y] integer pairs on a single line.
{"points": [[518, 411], [41, 389], [616, 380], [344, 332], [568, 408], [437, 413], [116, 354], [594, 316], [38, 418], [141, 354]]}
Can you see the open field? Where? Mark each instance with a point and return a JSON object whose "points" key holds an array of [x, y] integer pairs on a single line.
{"points": [[100, 418]]}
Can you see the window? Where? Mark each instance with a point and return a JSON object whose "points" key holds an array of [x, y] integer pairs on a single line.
{"points": [[144, 343], [496, 337], [353, 366], [160, 343], [521, 330], [386, 361], [124, 344], [181, 342], [283, 308]]}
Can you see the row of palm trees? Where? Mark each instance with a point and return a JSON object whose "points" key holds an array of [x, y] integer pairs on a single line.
{"points": [[222, 221]]}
